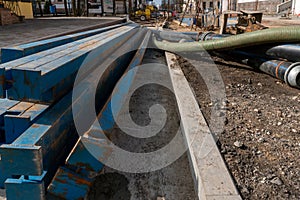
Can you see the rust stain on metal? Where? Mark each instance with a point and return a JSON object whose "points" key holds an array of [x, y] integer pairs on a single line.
{"points": [[35, 126], [2, 79], [86, 44], [61, 181], [84, 165], [80, 181]]}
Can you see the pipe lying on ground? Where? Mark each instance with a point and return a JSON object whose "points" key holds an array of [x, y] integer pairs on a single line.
{"points": [[283, 70], [188, 36], [290, 52], [176, 36], [267, 36], [286, 71], [212, 36]]}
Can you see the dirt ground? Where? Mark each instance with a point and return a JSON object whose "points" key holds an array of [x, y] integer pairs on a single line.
{"points": [[261, 140]]}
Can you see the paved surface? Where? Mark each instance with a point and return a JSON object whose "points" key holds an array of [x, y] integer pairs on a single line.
{"points": [[173, 181], [275, 21], [44, 27], [2, 194]]}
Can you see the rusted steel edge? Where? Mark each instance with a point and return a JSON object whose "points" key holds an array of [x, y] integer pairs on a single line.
{"points": [[211, 177]]}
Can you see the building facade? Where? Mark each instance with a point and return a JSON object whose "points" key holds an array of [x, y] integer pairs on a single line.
{"points": [[270, 6]]}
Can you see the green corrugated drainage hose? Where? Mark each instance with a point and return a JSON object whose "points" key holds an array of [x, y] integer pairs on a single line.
{"points": [[266, 36]]}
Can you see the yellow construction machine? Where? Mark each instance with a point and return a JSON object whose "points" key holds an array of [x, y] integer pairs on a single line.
{"points": [[145, 12]]}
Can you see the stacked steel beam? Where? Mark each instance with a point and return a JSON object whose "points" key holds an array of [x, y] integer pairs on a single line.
{"points": [[37, 131]]}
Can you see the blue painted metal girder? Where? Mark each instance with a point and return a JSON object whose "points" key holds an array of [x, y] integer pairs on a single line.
{"points": [[41, 82], [31, 187], [19, 118], [68, 185], [79, 153], [34, 60], [53, 135], [80, 159], [19, 160], [2, 83], [105, 117], [16, 117], [5, 105], [43, 146], [15, 52]]}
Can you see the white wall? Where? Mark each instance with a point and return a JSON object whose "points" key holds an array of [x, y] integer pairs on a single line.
{"points": [[296, 7], [224, 5]]}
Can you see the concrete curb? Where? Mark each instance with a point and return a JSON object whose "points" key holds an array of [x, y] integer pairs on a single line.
{"points": [[211, 177]]}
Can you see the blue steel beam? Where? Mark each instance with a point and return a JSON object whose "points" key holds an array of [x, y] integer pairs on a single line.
{"points": [[45, 145], [2, 83], [29, 188], [16, 117], [80, 159], [5, 104], [77, 185], [49, 78], [42, 147], [19, 118], [34, 60], [15, 52]]}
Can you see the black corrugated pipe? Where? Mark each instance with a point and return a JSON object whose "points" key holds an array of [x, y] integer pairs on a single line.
{"points": [[290, 52], [288, 72]]}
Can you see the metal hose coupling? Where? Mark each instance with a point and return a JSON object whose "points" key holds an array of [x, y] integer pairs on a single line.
{"points": [[292, 75]]}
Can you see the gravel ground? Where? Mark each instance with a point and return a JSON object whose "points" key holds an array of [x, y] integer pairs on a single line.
{"points": [[261, 140]]}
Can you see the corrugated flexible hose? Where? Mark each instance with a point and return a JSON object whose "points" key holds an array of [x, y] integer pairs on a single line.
{"points": [[267, 36]]}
